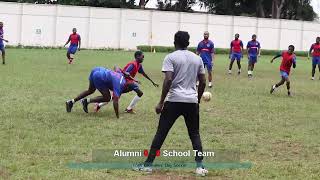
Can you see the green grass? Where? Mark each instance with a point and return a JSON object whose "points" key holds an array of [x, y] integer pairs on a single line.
{"points": [[278, 134]]}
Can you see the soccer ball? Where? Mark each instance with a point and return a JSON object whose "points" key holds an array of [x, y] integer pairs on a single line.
{"points": [[206, 96]]}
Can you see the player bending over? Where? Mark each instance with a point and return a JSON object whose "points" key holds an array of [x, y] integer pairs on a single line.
{"points": [[236, 48], [315, 50], [75, 41], [104, 80], [288, 60], [132, 68], [3, 52], [253, 52]]}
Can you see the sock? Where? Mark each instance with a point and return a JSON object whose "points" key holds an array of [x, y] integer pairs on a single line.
{"points": [[249, 72], [133, 102], [72, 100], [88, 100], [274, 86], [230, 71], [199, 165], [210, 83], [239, 70], [197, 83], [103, 104]]}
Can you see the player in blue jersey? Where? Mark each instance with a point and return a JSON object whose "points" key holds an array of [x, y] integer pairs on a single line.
{"points": [[206, 51], [253, 52], [3, 52], [104, 80]]}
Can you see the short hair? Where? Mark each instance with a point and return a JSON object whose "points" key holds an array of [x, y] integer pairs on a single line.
{"points": [[291, 46], [138, 54], [181, 38], [254, 35]]}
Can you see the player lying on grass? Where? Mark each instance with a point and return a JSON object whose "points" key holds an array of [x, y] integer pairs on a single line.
{"points": [[75, 41], [132, 68], [288, 60], [3, 52], [105, 80], [315, 50]]}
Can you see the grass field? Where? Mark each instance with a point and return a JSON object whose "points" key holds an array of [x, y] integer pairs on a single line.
{"points": [[279, 135]]}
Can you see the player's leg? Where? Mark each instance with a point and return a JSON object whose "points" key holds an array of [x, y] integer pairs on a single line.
{"points": [[231, 62], [239, 63], [284, 75], [288, 85], [209, 68], [136, 99], [191, 117], [3, 54], [106, 97], [170, 112], [91, 89], [319, 68], [314, 66]]}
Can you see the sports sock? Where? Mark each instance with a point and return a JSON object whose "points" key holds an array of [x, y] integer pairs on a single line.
{"points": [[72, 100], [133, 102], [210, 83], [103, 104]]}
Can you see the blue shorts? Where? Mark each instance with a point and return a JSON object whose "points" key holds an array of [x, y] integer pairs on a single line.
{"points": [[132, 86], [284, 74], [236, 56], [253, 59], [100, 78], [315, 61], [72, 49], [1, 47], [208, 65]]}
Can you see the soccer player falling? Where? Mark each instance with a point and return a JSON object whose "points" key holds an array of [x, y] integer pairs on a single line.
{"points": [[132, 68], [315, 50], [288, 60], [236, 48], [253, 52], [3, 52], [75, 41], [104, 80], [206, 51]]}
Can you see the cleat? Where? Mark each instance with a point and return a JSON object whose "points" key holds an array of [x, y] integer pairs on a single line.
{"points": [[210, 86], [130, 111], [96, 107], [84, 103], [312, 78], [272, 89], [201, 171], [69, 106], [229, 72]]}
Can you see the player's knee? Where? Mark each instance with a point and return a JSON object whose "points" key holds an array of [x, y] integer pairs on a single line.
{"points": [[140, 93]]}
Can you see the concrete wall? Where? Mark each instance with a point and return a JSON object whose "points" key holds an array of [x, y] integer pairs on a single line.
{"points": [[50, 25]]}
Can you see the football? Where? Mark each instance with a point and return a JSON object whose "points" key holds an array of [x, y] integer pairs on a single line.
{"points": [[207, 96]]}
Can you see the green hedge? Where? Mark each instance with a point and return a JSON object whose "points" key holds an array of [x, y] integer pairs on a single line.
{"points": [[217, 50]]}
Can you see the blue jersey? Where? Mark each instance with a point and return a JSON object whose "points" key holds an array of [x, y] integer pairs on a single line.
{"points": [[205, 49], [253, 47], [104, 79]]}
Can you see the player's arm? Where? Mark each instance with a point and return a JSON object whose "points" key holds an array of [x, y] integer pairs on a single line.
{"points": [[202, 85], [310, 51], [146, 76], [259, 51], [198, 49], [241, 46], [230, 50], [79, 43], [212, 52], [115, 101], [248, 48], [165, 89], [4, 39], [69, 39], [275, 57], [141, 71], [294, 64]]}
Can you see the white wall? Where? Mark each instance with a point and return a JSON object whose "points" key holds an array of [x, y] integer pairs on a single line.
{"points": [[50, 25]]}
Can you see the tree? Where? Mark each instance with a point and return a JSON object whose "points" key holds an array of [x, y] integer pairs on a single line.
{"points": [[276, 8], [178, 5]]}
